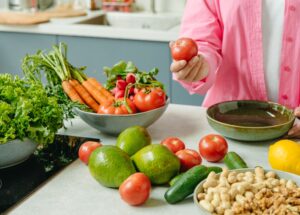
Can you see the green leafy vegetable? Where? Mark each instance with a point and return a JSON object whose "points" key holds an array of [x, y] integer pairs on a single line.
{"points": [[55, 67], [27, 111], [121, 69]]}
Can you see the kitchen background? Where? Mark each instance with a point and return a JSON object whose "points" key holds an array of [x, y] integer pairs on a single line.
{"points": [[161, 5], [143, 39]]}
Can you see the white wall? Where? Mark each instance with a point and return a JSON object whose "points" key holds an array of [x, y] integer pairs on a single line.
{"points": [[3, 3]]}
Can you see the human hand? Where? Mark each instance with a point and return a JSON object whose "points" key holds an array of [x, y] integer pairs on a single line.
{"points": [[194, 70], [294, 132]]}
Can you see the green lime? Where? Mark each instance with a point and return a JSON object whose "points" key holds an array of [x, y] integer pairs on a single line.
{"points": [[157, 162], [110, 166], [133, 139]]}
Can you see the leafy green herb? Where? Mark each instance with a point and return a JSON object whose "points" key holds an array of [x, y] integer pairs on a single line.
{"points": [[121, 69], [27, 111]]}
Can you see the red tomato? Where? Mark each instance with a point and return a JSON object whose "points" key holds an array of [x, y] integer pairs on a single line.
{"points": [[184, 49], [149, 99], [213, 147], [173, 143], [118, 107], [188, 158], [86, 149], [135, 190]]}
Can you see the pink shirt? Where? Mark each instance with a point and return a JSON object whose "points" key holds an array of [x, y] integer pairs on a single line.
{"points": [[229, 36]]}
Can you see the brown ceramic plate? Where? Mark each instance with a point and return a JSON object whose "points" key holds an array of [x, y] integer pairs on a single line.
{"points": [[249, 120]]}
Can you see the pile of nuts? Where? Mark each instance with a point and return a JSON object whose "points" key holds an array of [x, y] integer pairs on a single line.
{"points": [[257, 192]]}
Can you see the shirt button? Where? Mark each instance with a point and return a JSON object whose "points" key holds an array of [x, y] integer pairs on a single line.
{"points": [[292, 8], [290, 39], [285, 97], [286, 69]]}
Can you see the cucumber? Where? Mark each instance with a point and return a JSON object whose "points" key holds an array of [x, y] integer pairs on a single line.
{"points": [[186, 184], [233, 161], [173, 181]]}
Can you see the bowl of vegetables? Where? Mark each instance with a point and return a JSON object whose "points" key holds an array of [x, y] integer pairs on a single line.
{"points": [[132, 98], [29, 117], [249, 120], [129, 96]]}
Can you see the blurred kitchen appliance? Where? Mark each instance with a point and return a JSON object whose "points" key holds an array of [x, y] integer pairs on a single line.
{"points": [[21, 5]]}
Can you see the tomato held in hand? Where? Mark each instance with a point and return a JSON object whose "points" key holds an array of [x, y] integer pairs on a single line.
{"points": [[149, 99], [86, 149], [135, 190], [184, 49], [188, 159], [118, 107], [213, 147], [174, 144]]}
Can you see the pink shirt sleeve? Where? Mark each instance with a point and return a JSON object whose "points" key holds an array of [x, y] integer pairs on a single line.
{"points": [[200, 22]]}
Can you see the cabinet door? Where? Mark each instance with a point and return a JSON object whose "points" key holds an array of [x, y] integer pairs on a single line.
{"points": [[95, 53], [181, 96], [14, 46]]}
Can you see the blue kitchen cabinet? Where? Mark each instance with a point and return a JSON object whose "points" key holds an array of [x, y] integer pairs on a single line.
{"points": [[14, 46], [181, 96]]}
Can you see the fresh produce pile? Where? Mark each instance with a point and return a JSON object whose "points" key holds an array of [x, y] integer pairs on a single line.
{"points": [[134, 164], [127, 91], [27, 111]]}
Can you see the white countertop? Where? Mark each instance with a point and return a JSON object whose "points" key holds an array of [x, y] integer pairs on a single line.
{"points": [[69, 27], [74, 191]]}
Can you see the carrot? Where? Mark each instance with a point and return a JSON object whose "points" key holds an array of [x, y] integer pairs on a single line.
{"points": [[88, 99], [99, 87], [71, 92], [96, 94]]}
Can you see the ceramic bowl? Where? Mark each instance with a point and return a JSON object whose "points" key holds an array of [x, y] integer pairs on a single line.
{"points": [[250, 120], [114, 124], [280, 174], [16, 151]]}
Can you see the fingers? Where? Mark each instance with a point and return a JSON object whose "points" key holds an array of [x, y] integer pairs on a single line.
{"points": [[203, 71], [176, 66], [295, 131], [194, 72], [187, 69], [171, 44], [297, 112]]}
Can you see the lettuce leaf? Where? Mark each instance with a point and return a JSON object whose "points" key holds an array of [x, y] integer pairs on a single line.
{"points": [[27, 111]]}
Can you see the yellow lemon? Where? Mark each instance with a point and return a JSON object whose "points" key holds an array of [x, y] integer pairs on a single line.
{"points": [[285, 155]]}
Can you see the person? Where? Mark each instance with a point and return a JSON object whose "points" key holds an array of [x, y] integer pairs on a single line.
{"points": [[248, 50]]}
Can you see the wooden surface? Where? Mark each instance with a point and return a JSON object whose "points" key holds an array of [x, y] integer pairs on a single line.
{"points": [[27, 18]]}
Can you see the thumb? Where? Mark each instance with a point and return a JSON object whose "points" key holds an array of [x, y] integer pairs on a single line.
{"points": [[171, 44]]}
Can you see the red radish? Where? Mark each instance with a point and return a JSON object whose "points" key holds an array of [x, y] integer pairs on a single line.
{"points": [[131, 90], [121, 84], [130, 78], [113, 91], [119, 93]]}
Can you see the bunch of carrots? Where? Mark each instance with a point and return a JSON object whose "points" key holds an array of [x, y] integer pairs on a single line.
{"points": [[58, 71], [86, 90]]}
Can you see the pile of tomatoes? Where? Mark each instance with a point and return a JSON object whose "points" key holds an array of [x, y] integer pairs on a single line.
{"points": [[211, 147]]}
